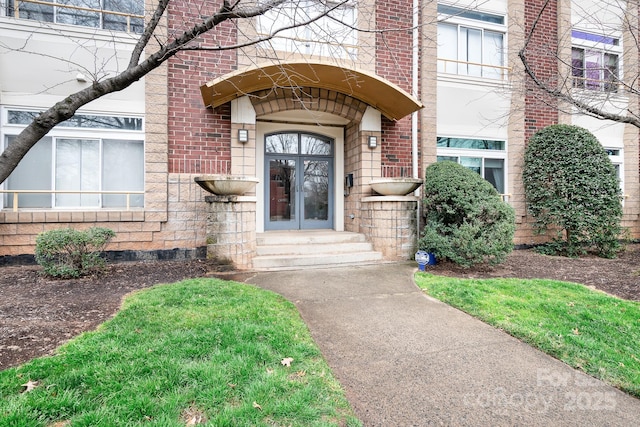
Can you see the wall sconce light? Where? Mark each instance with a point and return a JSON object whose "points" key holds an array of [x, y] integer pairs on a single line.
{"points": [[243, 135], [373, 141]]}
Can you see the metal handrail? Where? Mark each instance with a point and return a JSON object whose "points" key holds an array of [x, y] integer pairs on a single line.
{"points": [[16, 12], [17, 192], [504, 71]]}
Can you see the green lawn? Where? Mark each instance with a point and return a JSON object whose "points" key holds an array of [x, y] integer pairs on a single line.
{"points": [[198, 352], [586, 329]]}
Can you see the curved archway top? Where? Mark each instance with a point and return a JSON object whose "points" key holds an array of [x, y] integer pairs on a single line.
{"points": [[393, 102]]}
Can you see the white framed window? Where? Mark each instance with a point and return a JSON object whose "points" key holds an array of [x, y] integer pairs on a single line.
{"points": [[117, 15], [617, 159], [595, 61], [471, 43], [486, 157], [332, 35], [89, 161]]}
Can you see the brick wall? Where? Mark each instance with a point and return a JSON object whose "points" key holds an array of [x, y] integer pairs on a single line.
{"points": [[199, 138], [393, 46], [541, 109], [393, 62], [396, 147]]}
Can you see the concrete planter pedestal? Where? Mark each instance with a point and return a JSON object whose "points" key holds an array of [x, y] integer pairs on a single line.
{"points": [[390, 224], [231, 229]]}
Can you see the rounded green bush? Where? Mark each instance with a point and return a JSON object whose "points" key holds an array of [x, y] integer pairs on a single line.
{"points": [[466, 220], [572, 189]]}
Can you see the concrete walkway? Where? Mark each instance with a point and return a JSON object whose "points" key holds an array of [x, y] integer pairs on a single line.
{"points": [[405, 359]]}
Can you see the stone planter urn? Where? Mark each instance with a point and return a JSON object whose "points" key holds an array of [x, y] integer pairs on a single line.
{"points": [[227, 185], [395, 186]]}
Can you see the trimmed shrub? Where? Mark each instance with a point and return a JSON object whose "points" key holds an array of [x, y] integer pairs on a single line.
{"points": [[69, 253], [572, 189], [466, 220]]}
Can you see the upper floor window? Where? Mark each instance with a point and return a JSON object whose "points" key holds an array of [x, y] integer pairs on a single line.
{"points": [[332, 35], [595, 61], [118, 15], [89, 161], [471, 43]]}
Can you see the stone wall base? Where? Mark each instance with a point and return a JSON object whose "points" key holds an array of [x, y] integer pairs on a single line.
{"points": [[176, 254]]}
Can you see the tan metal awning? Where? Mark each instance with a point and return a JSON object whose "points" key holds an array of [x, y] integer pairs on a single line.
{"points": [[393, 102]]}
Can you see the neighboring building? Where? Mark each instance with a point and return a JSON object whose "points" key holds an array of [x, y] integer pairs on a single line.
{"points": [[315, 115]]}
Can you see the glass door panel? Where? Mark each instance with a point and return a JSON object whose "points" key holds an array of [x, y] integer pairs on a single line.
{"points": [[282, 193], [316, 192], [299, 170]]}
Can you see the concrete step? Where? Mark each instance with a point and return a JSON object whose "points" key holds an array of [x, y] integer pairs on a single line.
{"points": [[276, 262], [307, 237], [281, 250], [313, 248]]}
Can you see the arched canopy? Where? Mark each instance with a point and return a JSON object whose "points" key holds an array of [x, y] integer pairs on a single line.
{"points": [[393, 102]]}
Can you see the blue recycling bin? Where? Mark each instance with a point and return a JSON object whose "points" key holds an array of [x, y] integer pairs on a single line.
{"points": [[424, 258]]}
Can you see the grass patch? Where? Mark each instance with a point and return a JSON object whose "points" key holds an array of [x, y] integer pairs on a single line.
{"points": [[198, 352], [589, 330]]}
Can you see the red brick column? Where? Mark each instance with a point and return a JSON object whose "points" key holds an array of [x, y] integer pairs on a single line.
{"points": [[541, 109], [393, 62], [199, 138]]}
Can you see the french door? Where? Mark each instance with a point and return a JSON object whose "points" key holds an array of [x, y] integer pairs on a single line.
{"points": [[299, 181]]}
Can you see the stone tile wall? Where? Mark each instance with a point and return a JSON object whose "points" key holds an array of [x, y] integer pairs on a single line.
{"points": [[231, 229], [390, 224]]}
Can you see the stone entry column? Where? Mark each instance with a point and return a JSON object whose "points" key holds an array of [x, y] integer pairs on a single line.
{"points": [[231, 229], [390, 224]]}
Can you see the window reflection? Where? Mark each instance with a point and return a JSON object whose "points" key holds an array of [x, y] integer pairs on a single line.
{"points": [[315, 145], [295, 143], [86, 13], [331, 35], [78, 17], [282, 181], [283, 143], [20, 117], [316, 190]]}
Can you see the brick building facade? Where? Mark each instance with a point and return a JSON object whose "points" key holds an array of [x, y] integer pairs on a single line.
{"points": [[425, 82]]}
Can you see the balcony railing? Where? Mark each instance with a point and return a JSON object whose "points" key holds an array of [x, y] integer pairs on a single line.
{"points": [[16, 194], [473, 69], [40, 14], [595, 84]]}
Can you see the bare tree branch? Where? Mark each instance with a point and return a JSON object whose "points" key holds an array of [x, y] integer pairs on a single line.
{"points": [[148, 32], [65, 109]]}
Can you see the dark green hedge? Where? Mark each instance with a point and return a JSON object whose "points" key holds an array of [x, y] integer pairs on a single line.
{"points": [[466, 220], [572, 190]]}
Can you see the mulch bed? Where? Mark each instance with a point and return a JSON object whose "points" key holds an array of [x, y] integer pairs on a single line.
{"points": [[38, 314]]}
